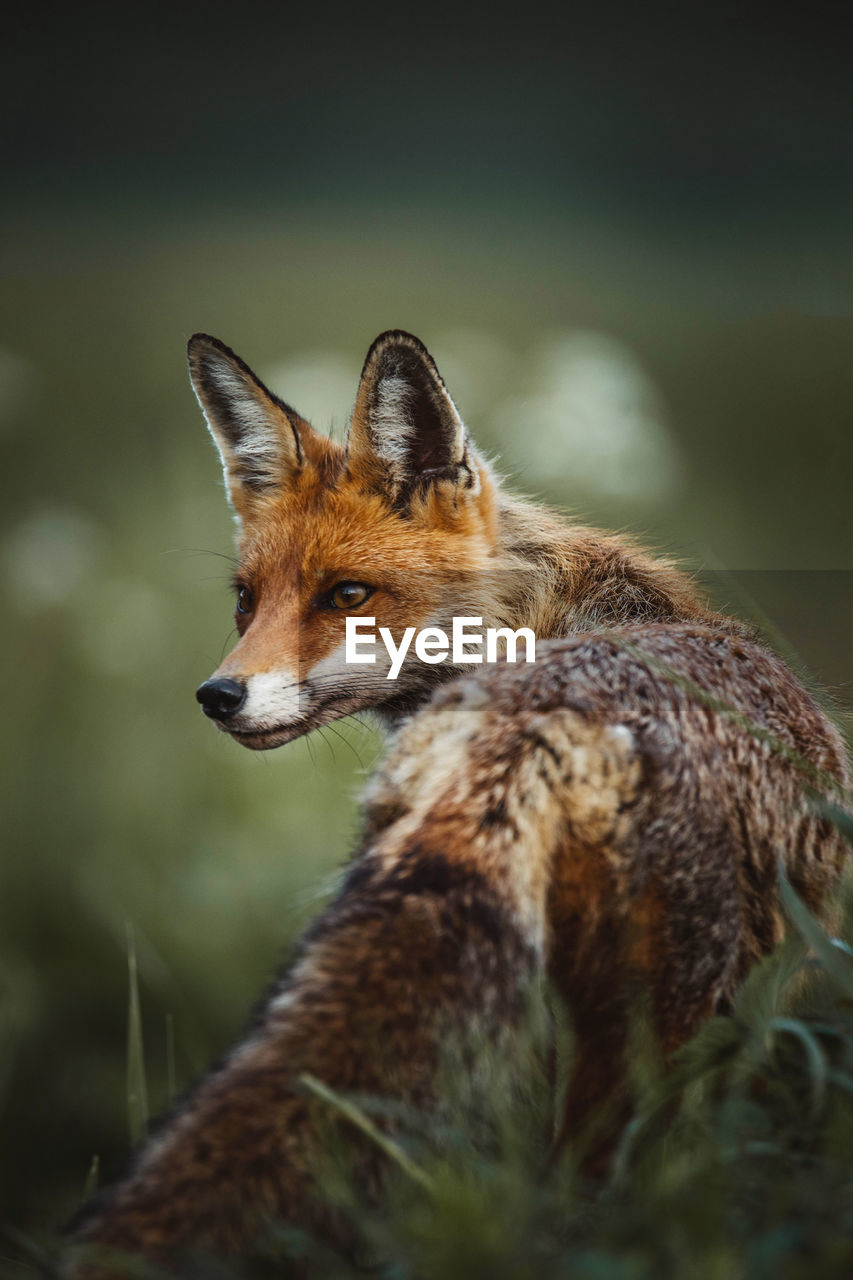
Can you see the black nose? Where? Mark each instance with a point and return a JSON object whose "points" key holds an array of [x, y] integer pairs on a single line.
{"points": [[221, 698]]}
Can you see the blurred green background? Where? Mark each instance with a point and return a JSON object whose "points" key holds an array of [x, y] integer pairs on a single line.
{"points": [[628, 246]]}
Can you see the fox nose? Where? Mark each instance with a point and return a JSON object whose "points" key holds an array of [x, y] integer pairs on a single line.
{"points": [[221, 698]]}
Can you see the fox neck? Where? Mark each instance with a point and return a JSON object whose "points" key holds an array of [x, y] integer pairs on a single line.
{"points": [[570, 578], [560, 579]]}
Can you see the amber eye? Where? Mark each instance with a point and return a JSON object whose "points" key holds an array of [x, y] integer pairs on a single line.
{"points": [[348, 595], [245, 600]]}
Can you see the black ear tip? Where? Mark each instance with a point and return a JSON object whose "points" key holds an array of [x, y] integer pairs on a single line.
{"points": [[399, 336], [206, 354], [395, 340], [199, 341]]}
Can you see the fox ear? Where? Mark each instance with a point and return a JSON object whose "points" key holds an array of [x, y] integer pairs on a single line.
{"points": [[405, 429], [257, 435]]}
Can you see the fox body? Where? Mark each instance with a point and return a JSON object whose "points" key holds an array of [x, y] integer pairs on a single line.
{"points": [[611, 814]]}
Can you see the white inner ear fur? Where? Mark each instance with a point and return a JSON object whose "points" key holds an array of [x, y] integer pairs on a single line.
{"points": [[391, 425], [392, 428], [254, 441]]}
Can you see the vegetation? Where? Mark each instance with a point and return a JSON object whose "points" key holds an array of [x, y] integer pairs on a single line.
{"points": [[737, 1163]]}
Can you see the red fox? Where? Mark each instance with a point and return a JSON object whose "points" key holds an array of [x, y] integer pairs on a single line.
{"points": [[611, 813]]}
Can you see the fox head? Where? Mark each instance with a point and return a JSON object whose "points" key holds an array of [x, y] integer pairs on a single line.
{"points": [[398, 524]]}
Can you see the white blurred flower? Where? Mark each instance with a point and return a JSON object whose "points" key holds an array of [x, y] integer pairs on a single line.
{"points": [[591, 417]]}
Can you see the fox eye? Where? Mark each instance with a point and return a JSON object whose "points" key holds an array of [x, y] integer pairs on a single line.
{"points": [[348, 595], [245, 600]]}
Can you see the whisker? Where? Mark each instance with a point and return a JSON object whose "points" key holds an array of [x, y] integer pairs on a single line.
{"points": [[328, 744], [200, 551], [346, 742], [227, 642]]}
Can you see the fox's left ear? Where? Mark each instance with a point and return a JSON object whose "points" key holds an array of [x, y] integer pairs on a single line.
{"points": [[257, 435], [405, 431]]}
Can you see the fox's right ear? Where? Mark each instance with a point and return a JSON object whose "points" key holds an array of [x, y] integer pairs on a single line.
{"points": [[406, 433], [257, 435]]}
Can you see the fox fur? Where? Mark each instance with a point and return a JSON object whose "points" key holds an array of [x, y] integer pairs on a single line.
{"points": [[609, 816]]}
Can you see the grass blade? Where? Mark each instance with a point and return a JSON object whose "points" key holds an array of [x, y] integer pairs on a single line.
{"points": [[90, 1186], [137, 1091], [366, 1125], [833, 958], [171, 1075]]}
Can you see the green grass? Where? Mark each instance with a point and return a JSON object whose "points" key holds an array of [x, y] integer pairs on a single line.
{"points": [[738, 1161]]}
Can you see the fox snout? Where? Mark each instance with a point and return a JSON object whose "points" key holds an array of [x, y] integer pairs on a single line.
{"points": [[262, 709], [221, 698]]}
